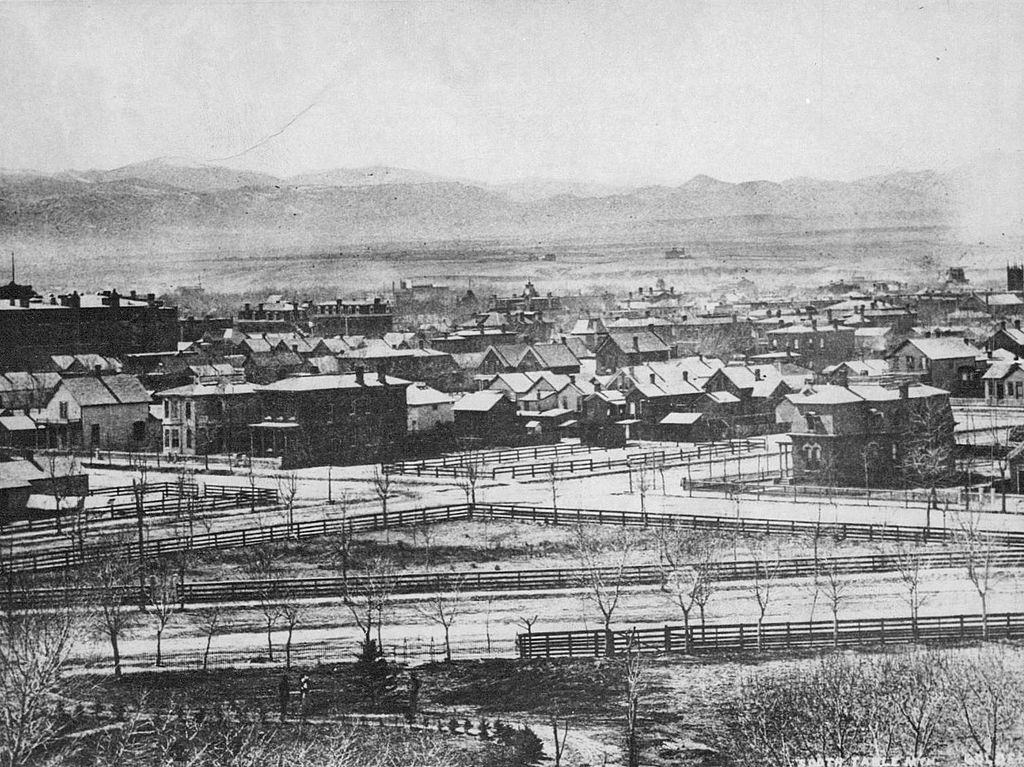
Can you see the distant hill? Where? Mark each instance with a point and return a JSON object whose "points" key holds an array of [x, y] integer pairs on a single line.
{"points": [[150, 198]]}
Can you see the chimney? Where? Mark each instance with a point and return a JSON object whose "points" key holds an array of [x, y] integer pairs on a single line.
{"points": [[572, 378], [97, 370], [653, 376], [686, 375], [905, 390], [380, 375], [828, 313], [843, 377], [597, 385], [757, 374], [359, 375], [1016, 324], [835, 324], [814, 324], [1002, 324], [636, 343], [114, 300]]}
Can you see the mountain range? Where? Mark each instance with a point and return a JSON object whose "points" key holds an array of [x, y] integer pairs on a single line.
{"points": [[385, 203]]}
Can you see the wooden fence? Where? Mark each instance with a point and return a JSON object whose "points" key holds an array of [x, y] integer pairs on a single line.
{"points": [[743, 525], [68, 556], [58, 558], [775, 636], [548, 579], [480, 457], [159, 498]]}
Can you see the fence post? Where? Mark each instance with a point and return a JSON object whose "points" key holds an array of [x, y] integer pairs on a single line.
{"points": [[668, 639]]}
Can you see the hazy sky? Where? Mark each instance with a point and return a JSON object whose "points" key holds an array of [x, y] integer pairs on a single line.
{"points": [[616, 92]]}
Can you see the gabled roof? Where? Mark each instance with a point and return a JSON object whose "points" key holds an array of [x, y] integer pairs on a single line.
{"points": [[646, 341], [999, 370], [555, 355], [93, 391], [419, 394], [1014, 334], [941, 348], [479, 401]]}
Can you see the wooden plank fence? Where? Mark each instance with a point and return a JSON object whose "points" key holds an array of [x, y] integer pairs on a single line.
{"points": [[775, 636], [546, 579], [67, 556]]}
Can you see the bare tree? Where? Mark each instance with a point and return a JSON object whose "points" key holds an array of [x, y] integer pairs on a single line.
{"points": [[341, 545], [287, 489], [162, 600], [112, 577], [909, 570], [382, 482], [927, 459], [35, 650], [365, 598], [686, 573], [443, 608], [603, 585], [292, 613], [979, 564], [467, 477], [560, 731], [59, 466], [915, 693], [209, 621], [139, 490], [633, 673], [835, 588], [766, 569], [645, 482], [261, 568], [987, 686]]}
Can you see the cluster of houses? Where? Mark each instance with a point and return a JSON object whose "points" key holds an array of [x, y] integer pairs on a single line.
{"points": [[346, 381]]}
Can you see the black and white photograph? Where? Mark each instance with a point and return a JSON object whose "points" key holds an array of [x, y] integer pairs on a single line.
{"points": [[511, 383]]}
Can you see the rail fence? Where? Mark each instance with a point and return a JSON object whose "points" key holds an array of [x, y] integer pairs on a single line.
{"points": [[515, 466], [69, 556], [709, 453], [479, 457], [863, 531], [776, 636], [468, 581], [158, 498], [63, 557]]}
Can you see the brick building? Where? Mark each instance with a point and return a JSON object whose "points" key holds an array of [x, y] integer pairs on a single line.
{"points": [[107, 324], [869, 435], [345, 418]]}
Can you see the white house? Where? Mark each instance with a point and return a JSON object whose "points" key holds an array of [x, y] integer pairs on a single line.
{"points": [[427, 408]]}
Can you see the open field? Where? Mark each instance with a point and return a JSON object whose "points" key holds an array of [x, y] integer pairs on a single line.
{"points": [[764, 262]]}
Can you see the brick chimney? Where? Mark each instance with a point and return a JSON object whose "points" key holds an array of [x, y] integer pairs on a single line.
{"points": [[653, 376], [636, 343], [359, 375]]}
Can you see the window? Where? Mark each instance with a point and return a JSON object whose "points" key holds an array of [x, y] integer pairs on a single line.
{"points": [[175, 439], [1020, 389], [910, 362], [167, 437], [188, 438], [188, 409], [63, 411]]}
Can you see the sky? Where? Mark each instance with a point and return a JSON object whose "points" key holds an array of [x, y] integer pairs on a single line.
{"points": [[623, 93]]}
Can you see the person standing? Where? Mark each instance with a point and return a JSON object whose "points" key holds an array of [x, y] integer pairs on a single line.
{"points": [[303, 694]]}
